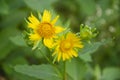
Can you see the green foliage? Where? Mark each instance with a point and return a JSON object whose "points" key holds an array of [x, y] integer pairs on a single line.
{"points": [[45, 72], [6, 46], [18, 40], [76, 69], [98, 60], [90, 48]]}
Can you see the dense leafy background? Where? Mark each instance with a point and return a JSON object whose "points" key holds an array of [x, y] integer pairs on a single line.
{"points": [[103, 64]]}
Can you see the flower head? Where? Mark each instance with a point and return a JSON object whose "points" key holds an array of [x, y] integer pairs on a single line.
{"points": [[44, 29], [66, 47]]}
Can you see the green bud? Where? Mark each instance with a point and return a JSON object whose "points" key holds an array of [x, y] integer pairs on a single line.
{"points": [[87, 32]]}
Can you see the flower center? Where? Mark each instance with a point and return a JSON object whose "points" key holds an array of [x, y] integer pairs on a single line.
{"points": [[65, 45], [46, 30]]}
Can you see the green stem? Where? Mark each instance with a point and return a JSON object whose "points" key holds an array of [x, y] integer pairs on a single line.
{"points": [[45, 57], [64, 72], [54, 66]]}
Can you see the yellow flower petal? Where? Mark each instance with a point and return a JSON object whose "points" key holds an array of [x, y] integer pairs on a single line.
{"points": [[59, 29], [71, 36], [48, 42], [34, 37], [33, 19], [78, 45], [70, 54], [63, 56], [33, 26], [74, 53], [54, 20], [67, 56], [34, 22], [46, 16]]}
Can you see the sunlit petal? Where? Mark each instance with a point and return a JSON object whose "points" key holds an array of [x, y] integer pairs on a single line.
{"points": [[46, 16], [59, 29], [34, 37], [48, 42], [74, 53]]}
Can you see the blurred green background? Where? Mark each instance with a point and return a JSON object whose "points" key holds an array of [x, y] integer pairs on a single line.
{"points": [[102, 14]]}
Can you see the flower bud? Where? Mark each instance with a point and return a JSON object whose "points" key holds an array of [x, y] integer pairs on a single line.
{"points": [[87, 32]]}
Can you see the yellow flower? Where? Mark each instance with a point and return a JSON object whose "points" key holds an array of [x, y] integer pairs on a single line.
{"points": [[44, 29], [66, 47]]}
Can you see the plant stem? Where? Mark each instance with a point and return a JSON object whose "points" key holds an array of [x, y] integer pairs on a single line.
{"points": [[64, 72]]}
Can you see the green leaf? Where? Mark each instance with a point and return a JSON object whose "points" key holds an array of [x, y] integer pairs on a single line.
{"points": [[45, 72], [18, 40], [111, 74], [17, 76], [86, 57], [89, 48], [39, 5], [76, 69], [85, 53], [12, 61]]}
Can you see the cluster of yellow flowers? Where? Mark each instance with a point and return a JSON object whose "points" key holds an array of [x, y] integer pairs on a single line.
{"points": [[64, 47]]}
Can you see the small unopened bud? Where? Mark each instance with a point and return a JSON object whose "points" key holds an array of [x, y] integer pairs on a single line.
{"points": [[87, 33]]}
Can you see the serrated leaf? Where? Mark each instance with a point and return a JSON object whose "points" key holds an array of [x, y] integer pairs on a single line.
{"points": [[39, 5], [45, 72], [111, 74]]}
